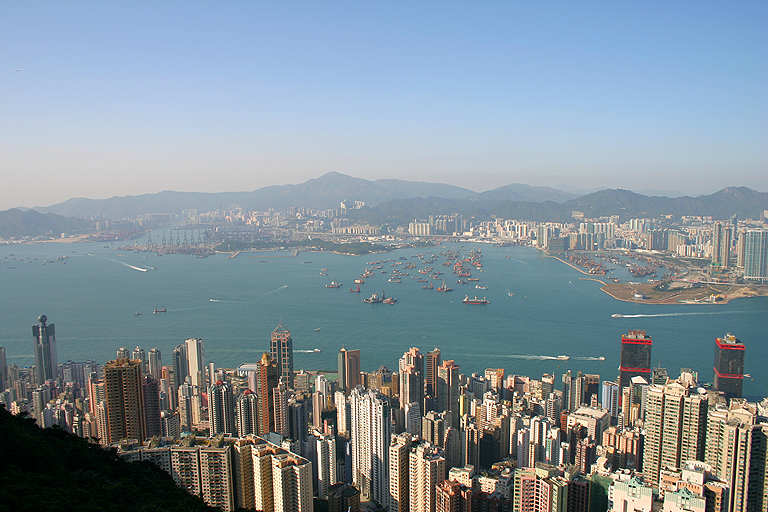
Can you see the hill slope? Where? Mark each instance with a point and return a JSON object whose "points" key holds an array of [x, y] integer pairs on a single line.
{"points": [[15, 223], [49, 469]]}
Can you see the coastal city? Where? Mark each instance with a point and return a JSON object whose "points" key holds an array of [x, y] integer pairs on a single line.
{"points": [[384, 256]]}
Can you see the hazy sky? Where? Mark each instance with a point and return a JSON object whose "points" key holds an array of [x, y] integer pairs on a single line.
{"points": [[118, 98]]}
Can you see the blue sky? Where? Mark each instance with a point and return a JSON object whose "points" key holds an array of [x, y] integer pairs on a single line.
{"points": [[128, 98]]}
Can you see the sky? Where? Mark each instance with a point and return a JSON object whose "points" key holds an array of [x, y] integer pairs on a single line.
{"points": [[99, 99]]}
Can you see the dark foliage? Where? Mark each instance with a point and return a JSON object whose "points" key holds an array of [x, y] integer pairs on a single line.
{"points": [[52, 470]]}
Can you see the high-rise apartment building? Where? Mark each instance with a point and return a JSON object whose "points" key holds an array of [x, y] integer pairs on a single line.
{"points": [[431, 363], [155, 364], [729, 366], [266, 381], [281, 351], [737, 451], [124, 400], [756, 255], [635, 357], [426, 470], [46, 363], [448, 389], [247, 413], [221, 408], [371, 424], [721, 245], [180, 365], [399, 462], [140, 354], [675, 427]]}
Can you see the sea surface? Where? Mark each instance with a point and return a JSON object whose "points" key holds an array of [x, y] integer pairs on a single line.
{"points": [[234, 304]]}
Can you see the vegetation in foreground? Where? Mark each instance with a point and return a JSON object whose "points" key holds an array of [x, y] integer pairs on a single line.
{"points": [[52, 470]]}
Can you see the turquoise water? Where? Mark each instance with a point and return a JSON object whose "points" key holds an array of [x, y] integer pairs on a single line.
{"points": [[93, 299]]}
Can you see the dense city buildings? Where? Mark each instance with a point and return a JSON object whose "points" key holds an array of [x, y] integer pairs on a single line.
{"points": [[423, 437]]}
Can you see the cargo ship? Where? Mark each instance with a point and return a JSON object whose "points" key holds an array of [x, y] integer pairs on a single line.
{"points": [[467, 300]]}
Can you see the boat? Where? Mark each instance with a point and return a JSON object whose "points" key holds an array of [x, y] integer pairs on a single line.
{"points": [[159, 310], [617, 315], [563, 358], [317, 350], [324, 269], [395, 280], [359, 281], [427, 287], [480, 287], [444, 288], [323, 274], [461, 281], [137, 314], [355, 289], [474, 279], [389, 300], [373, 299], [316, 331], [511, 294], [467, 300], [601, 358], [333, 284]]}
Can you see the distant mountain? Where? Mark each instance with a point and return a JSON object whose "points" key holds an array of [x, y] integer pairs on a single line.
{"points": [[327, 191], [742, 201], [521, 192], [15, 223]]}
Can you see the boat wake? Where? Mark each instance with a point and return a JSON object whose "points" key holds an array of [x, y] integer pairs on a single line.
{"points": [[308, 351], [530, 357], [589, 358], [271, 292], [129, 266], [690, 313]]}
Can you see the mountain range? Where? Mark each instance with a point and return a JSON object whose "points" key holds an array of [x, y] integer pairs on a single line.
{"points": [[325, 192], [394, 202]]}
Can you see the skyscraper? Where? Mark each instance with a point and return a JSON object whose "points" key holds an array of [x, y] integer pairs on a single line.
{"points": [[756, 255], [729, 366], [431, 364], [45, 350], [221, 408], [247, 413], [180, 365], [349, 369], [448, 389], [281, 351], [124, 400], [266, 381], [675, 427], [140, 355], [426, 470], [196, 362], [155, 364], [635, 357], [371, 430]]}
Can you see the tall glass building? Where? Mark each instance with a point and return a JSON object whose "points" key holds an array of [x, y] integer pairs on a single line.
{"points": [[756, 255], [729, 365], [635, 357]]}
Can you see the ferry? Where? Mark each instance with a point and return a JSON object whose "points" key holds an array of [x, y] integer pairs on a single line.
{"points": [[617, 315], [333, 284], [563, 358], [467, 300]]}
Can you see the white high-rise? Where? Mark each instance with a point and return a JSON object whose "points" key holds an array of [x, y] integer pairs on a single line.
{"points": [[371, 428], [196, 362]]}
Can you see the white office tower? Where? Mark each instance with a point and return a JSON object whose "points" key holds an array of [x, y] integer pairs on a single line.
{"points": [[324, 451], [196, 362], [247, 413], [343, 412], [427, 470], [221, 408], [370, 433]]}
